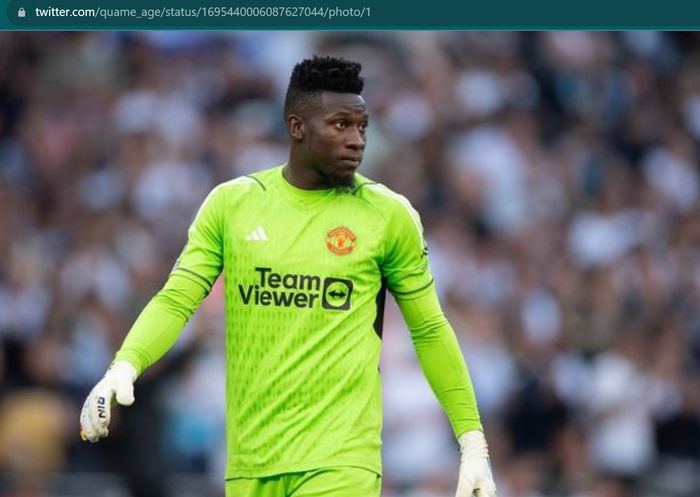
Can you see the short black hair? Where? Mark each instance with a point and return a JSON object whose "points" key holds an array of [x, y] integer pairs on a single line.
{"points": [[312, 76]]}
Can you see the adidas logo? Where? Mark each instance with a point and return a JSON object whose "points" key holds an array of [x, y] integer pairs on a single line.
{"points": [[258, 234]]}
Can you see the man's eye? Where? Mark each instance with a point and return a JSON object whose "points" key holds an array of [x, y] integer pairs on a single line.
{"points": [[341, 125], [363, 127]]}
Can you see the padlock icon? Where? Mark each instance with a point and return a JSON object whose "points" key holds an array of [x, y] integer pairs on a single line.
{"points": [[21, 12]]}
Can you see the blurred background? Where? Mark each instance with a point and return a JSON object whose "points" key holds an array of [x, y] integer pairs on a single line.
{"points": [[557, 177]]}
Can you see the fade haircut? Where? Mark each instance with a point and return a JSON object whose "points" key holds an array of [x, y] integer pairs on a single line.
{"points": [[312, 76]]}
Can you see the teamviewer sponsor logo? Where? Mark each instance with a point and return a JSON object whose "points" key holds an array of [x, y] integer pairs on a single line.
{"points": [[296, 290], [336, 294]]}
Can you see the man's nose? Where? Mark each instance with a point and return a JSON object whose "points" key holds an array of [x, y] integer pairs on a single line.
{"points": [[356, 139]]}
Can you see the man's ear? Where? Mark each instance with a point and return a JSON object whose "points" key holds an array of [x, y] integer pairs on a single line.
{"points": [[295, 126]]}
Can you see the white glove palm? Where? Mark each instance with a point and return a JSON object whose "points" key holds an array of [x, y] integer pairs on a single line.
{"points": [[474, 468], [117, 382]]}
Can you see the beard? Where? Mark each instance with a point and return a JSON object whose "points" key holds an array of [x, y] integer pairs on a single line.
{"points": [[340, 181]]}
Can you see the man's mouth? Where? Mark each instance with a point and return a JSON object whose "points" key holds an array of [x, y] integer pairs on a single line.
{"points": [[352, 160]]}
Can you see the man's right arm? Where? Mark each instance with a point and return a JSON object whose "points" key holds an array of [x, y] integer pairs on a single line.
{"points": [[158, 326], [195, 272], [161, 321]]}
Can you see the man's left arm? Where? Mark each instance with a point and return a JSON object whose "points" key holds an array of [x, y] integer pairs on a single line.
{"points": [[441, 359], [442, 363], [407, 272]]}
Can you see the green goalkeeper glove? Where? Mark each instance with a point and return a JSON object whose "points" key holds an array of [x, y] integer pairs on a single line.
{"points": [[474, 468], [117, 382]]}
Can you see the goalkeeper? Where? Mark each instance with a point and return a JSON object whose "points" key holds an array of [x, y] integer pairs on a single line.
{"points": [[307, 250]]}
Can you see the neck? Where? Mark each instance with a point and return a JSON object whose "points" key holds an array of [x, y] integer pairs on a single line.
{"points": [[302, 177]]}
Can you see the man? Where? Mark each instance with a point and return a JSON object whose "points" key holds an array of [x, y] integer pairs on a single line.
{"points": [[307, 250]]}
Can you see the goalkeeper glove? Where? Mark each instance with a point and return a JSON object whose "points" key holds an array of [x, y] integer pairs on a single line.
{"points": [[117, 382], [474, 468]]}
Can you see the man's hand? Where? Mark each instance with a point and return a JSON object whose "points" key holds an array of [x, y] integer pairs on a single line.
{"points": [[118, 382], [474, 468]]}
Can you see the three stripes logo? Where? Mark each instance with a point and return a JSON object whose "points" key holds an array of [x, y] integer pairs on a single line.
{"points": [[257, 235]]}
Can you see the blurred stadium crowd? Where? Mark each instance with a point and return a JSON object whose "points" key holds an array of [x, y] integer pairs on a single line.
{"points": [[557, 177]]}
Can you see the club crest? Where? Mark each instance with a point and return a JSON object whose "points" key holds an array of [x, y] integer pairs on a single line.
{"points": [[340, 240]]}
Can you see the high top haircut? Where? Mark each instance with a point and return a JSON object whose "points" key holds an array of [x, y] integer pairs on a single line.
{"points": [[312, 76]]}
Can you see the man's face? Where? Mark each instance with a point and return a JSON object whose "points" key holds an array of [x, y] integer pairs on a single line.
{"points": [[335, 137]]}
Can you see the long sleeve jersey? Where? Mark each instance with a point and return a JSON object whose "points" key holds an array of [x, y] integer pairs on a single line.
{"points": [[305, 274]]}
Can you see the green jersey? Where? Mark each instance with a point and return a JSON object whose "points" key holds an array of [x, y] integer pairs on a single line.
{"points": [[305, 274]]}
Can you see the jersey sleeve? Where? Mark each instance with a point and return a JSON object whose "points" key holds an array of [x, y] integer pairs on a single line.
{"points": [[202, 258], [200, 263], [441, 360], [160, 323], [405, 266]]}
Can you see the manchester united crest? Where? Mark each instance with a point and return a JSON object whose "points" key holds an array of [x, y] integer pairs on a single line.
{"points": [[340, 240]]}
